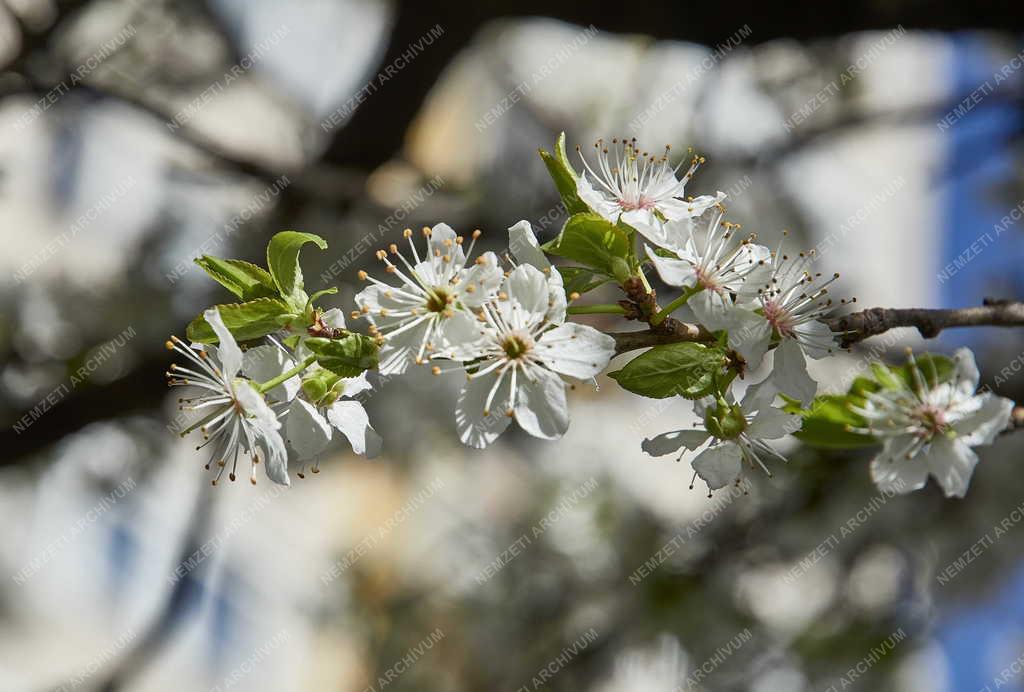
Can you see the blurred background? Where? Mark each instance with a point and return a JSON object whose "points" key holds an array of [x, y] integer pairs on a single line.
{"points": [[136, 135]]}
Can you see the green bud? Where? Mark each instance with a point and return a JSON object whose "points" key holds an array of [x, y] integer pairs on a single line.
{"points": [[724, 421], [319, 384]]}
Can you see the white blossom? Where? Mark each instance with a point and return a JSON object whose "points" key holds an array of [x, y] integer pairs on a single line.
{"points": [[739, 434], [432, 307], [639, 187], [930, 427], [236, 418], [521, 348]]}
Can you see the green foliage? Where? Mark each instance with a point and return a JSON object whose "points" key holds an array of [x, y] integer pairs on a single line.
{"points": [[582, 279], [245, 321], [246, 280], [564, 176], [316, 384], [595, 242], [346, 357], [283, 261], [687, 369]]}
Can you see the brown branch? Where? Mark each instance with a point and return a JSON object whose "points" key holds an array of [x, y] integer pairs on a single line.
{"points": [[854, 327]]}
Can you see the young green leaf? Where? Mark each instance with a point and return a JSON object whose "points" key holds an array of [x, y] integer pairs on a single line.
{"points": [[594, 241], [347, 356], [581, 279], [245, 279], [565, 177], [687, 369], [245, 321], [825, 423], [283, 261]]}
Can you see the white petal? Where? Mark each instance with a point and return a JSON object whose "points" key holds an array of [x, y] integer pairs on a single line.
{"points": [[307, 430], [576, 350], [254, 405], [277, 457], [680, 209], [984, 425], [951, 462], [669, 442], [355, 385], [228, 353], [674, 272], [263, 363], [719, 466], [350, 418], [966, 370], [528, 296], [541, 408], [556, 297], [334, 318], [399, 351], [474, 427], [816, 339], [892, 472], [479, 283], [772, 423], [713, 309], [596, 200], [443, 244], [524, 246], [750, 334], [378, 298], [790, 372]]}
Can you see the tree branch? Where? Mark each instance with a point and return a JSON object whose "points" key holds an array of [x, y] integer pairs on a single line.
{"points": [[852, 328]]}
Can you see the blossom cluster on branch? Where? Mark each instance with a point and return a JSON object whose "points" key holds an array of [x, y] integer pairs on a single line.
{"points": [[502, 325]]}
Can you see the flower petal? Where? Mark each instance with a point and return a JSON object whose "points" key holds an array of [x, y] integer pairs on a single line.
{"points": [[750, 334], [967, 375], [277, 457], [892, 472], [984, 425], [334, 318], [771, 423], [669, 442], [254, 405], [350, 418], [576, 350], [674, 272], [476, 428], [528, 296], [524, 246], [597, 200], [479, 283], [952, 463], [541, 408], [816, 339], [307, 430], [790, 372], [719, 466], [228, 353], [713, 309]]}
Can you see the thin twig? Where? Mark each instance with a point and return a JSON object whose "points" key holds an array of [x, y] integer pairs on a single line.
{"points": [[854, 327]]}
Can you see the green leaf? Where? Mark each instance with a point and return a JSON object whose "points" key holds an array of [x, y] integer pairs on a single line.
{"points": [[245, 321], [347, 356], [594, 241], [581, 279], [565, 177], [934, 368], [283, 261], [244, 279], [687, 369], [826, 420]]}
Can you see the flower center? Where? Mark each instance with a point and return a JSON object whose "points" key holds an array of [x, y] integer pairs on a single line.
{"points": [[931, 421], [781, 320], [707, 279], [643, 202], [516, 345], [438, 299]]}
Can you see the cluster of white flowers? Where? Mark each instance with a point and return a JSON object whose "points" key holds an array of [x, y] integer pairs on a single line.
{"points": [[766, 299], [506, 331], [238, 418]]}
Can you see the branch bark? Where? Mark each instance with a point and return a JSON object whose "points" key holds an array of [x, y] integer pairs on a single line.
{"points": [[852, 328]]}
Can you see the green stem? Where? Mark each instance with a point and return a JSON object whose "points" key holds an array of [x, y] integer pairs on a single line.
{"points": [[285, 376], [643, 280], [671, 307], [600, 309]]}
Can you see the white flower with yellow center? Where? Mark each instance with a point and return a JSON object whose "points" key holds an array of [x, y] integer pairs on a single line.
{"points": [[522, 346], [733, 434], [930, 427], [639, 187], [432, 308], [237, 420]]}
